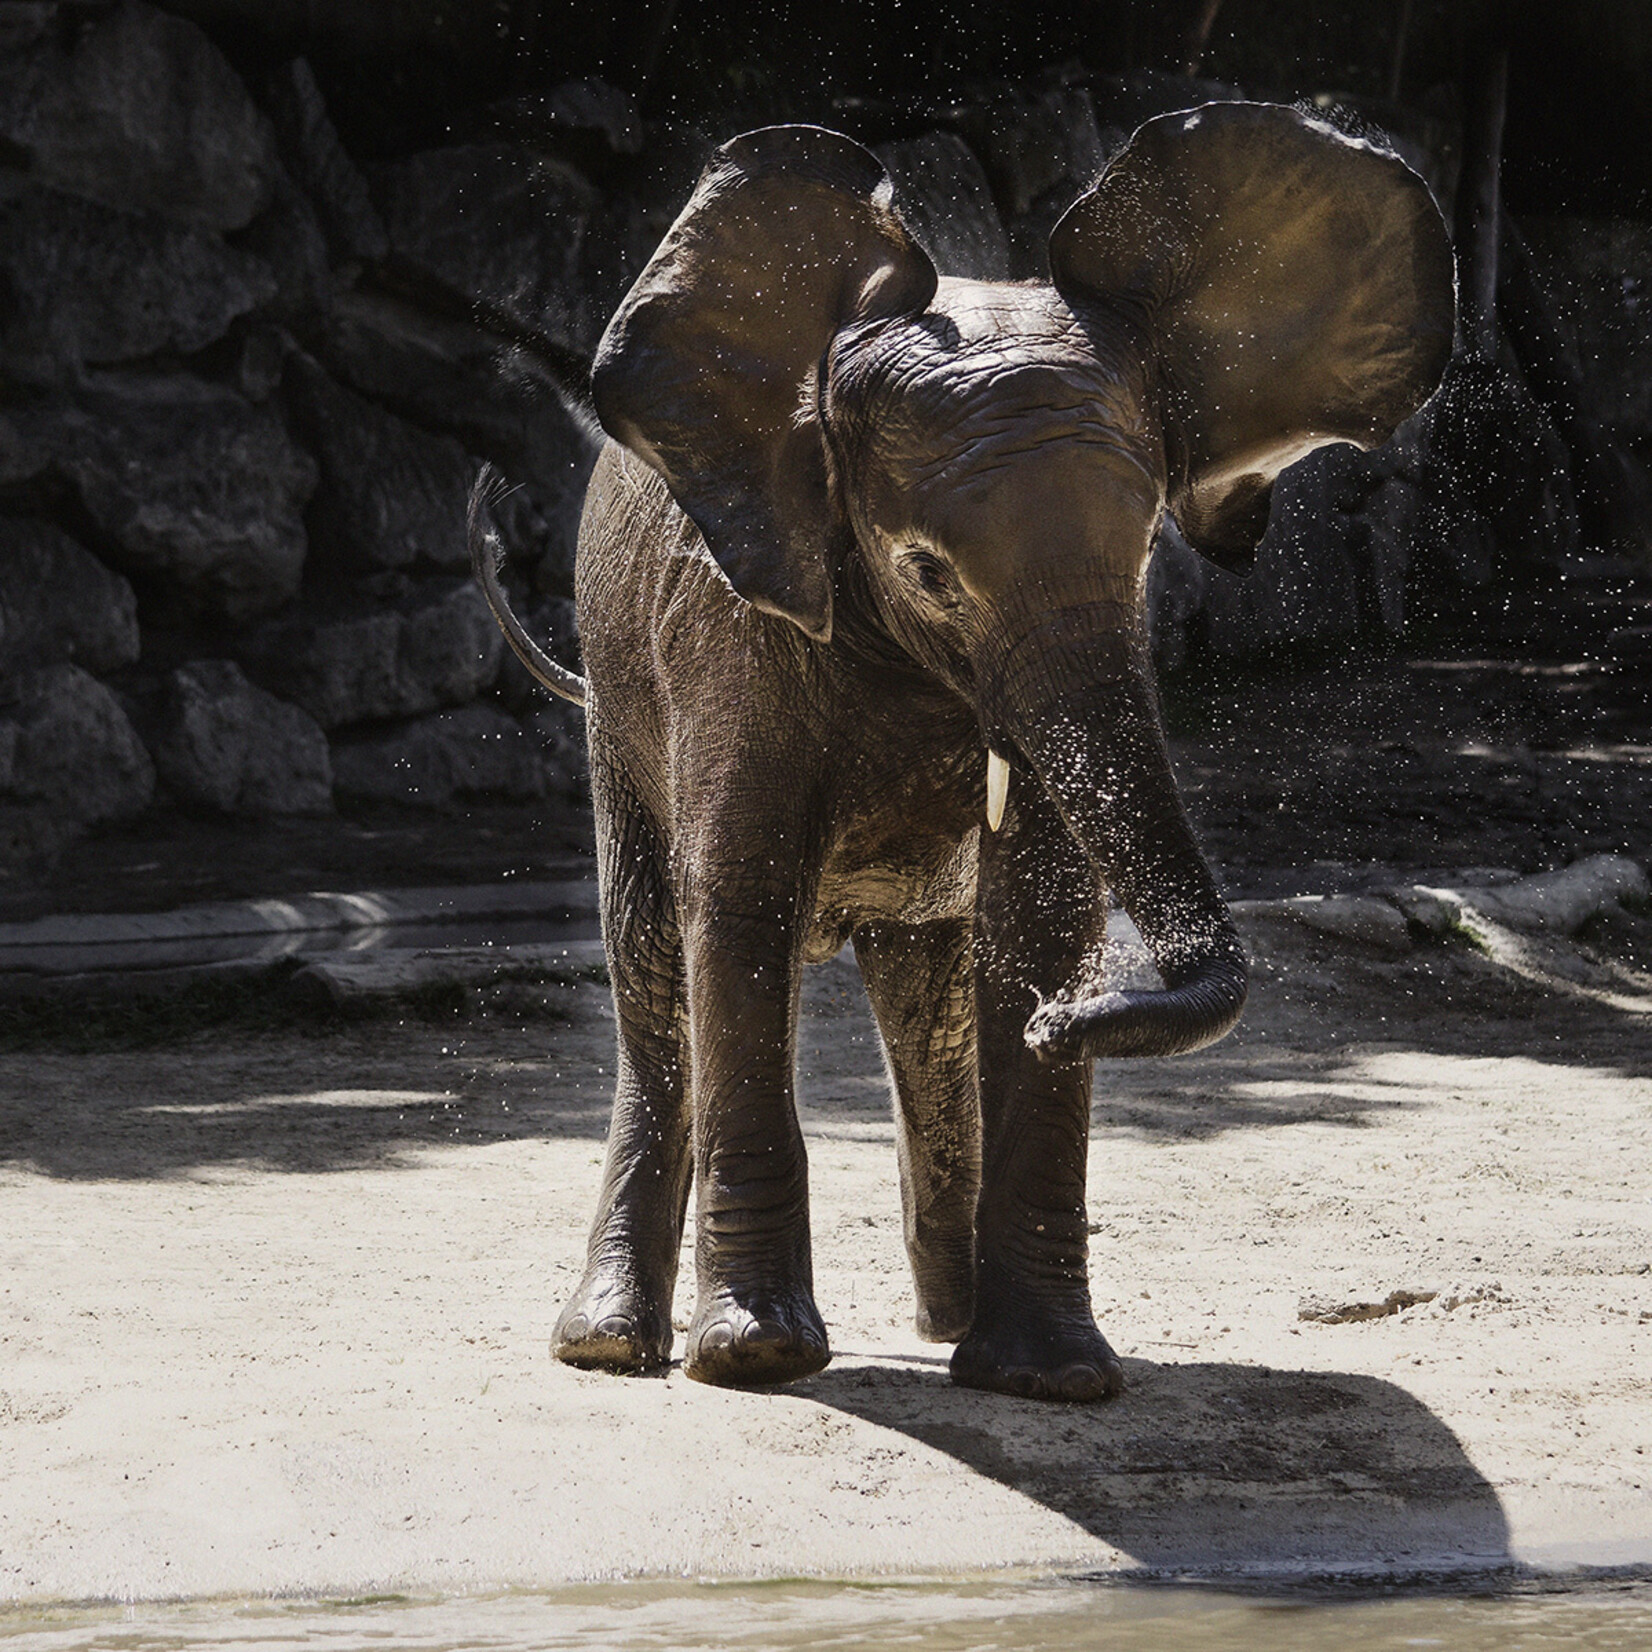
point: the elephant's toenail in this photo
(575, 1329)
(715, 1338)
(617, 1327)
(1081, 1382)
(765, 1333)
(1024, 1383)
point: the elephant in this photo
(861, 584)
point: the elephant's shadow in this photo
(1213, 1467)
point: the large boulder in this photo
(287, 238)
(390, 495)
(191, 485)
(322, 166)
(1305, 591)
(439, 646)
(475, 750)
(1039, 150)
(502, 402)
(945, 199)
(559, 729)
(224, 744)
(59, 604)
(1177, 581)
(87, 283)
(497, 226)
(139, 110)
(69, 757)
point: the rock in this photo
(476, 749)
(1368, 919)
(580, 107)
(558, 727)
(1176, 581)
(537, 535)
(1559, 902)
(59, 604)
(1034, 143)
(1039, 152)
(390, 495)
(260, 361)
(192, 486)
(69, 757)
(437, 648)
(1596, 274)
(322, 168)
(1496, 483)
(227, 745)
(86, 283)
(1436, 911)
(1305, 588)
(448, 375)
(23, 22)
(1391, 515)
(138, 110)
(552, 623)
(945, 199)
(286, 236)
(349, 980)
(22, 455)
(500, 227)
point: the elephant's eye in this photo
(932, 575)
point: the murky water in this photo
(1026, 1617)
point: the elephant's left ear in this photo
(1294, 285)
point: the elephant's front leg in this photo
(1037, 917)
(755, 1321)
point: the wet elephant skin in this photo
(858, 527)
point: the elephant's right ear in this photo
(708, 370)
(1292, 287)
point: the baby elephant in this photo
(861, 580)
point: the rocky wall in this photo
(246, 383)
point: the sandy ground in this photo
(274, 1311)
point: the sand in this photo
(275, 1311)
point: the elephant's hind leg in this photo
(619, 1319)
(921, 983)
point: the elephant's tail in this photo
(485, 554)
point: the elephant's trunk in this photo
(1073, 696)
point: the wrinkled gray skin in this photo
(858, 526)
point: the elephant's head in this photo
(984, 467)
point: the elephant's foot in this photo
(945, 1286)
(1061, 1359)
(611, 1325)
(768, 1339)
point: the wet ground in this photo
(1053, 1616)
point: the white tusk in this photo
(998, 788)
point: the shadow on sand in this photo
(1211, 1467)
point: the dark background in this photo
(1444, 657)
(402, 75)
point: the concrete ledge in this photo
(351, 980)
(302, 914)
